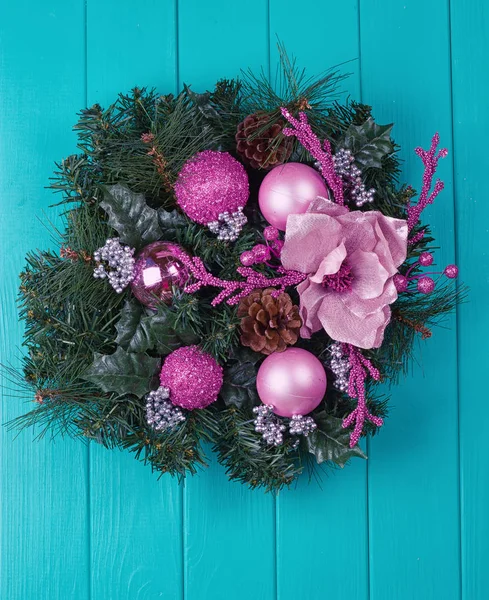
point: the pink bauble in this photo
(289, 190)
(211, 183)
(156, 272)
(193, 377)
(293, 382)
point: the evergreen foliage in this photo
(93, 355)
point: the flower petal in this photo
(362, 308)
(369, 276)
(308, 239)
(311, 296)
(330, 263)
(393, 234)
(344, 326)
(325, 206)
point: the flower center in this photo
(340, 281)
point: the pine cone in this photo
(268, 324)
(260, 143)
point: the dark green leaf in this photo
(243, 354)
(369, 143)
(138, 331)
(123, 372)
(239, 386)
(154, 333)
(170, 221)
(136, 223)
(128, 323)
(330, 442)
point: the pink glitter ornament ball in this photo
(210, 184)
(401, 282)
(425, 285)
(451, 271)
(193, 377)
(425, 259)
(289, 190)
(293, 382)
(156, 272)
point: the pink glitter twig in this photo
(233, 291)
(430, 160)
(359, 366)
(416, 238)
(302, 130)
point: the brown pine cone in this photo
(268, 324)
(260, 143)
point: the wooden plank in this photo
(229, 531)
(470, 92)
(136, 518)
(217, 39)
(413, 467)
(321, 527)
(44, 518)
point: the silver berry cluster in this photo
(345, 168)
(116, 263)
(340, 365)
(161, 414)
(301, 425)
(273, 427)
(228, 225)
(269, 425)
(343, 161)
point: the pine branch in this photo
(248, 460)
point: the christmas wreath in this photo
(238, 267)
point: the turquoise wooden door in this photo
(83, 523)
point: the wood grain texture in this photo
(413, 466)
(413, 523)
(470, 89)
(44, 521)
(305, 514)
(136, 519)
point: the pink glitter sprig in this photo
(360, 367)
(430, 160)
(233, 291)
(303, 132)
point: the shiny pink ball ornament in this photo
(156, 272)
(287, 190)
(293, 382)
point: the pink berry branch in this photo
(303, 132)
(430, 160)
(360, 367)
(233, 291)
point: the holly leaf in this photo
(239, 385)
(127, 325)
(369, 143)
(136, 223)
(330, 442)
(123, 372)
(139, 331)
(170, 221)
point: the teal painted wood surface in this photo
(83, 523)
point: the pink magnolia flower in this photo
(351, 258)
